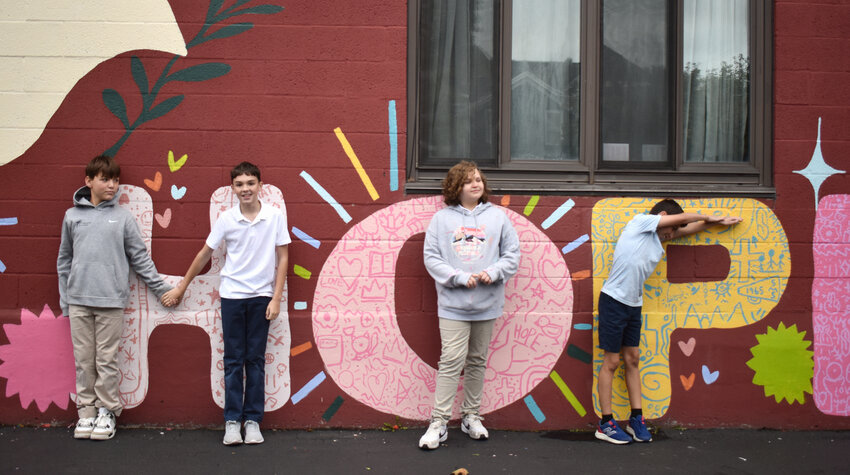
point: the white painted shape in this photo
(48, 45)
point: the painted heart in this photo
(156, 183)
(708, 376)
(688, 382)
(163, 219)
(177, 193)
(688, 348)
(174, 166)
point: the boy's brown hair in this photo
(456, 177)
(245, 168)
(103, 164)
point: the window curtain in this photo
(716, 81)
(545, 79)
(459, 79)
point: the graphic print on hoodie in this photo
(469, 244)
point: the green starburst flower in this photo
(783, 363)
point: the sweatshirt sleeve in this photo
(140, 260)
(509, 253)
(63, 263)
(443, 273)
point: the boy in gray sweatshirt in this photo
(100, 242)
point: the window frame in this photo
(588, 175)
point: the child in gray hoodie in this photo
(471, 250)
(100, 242)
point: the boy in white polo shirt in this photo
(256, 238)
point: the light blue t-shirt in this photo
(636, 254)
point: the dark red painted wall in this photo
(323, 64)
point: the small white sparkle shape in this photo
(817, 171)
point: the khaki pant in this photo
(464, 348)
(96, 334)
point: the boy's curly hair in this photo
(667, 205)
(456, 177)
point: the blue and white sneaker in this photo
(611, 432)
(637, 429)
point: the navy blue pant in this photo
(245, 333)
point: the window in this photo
(604, 96)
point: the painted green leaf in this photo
(141, 78)
(215, 6)
(115, 103)
(258, 10)
(200, 72)
(164, 107)
(229, 30)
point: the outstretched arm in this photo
(685, 224)
(173, 296)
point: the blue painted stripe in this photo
(326, 196)
(8, 221)
(535, 411)
(558, 213)
(583, 326)
(573, 245)
(309, 387)
(299, 305)
(393, 146)
(306, 237)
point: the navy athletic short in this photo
(619, 324)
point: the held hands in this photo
(171, 298)
(482, 277)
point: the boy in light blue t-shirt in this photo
(636, 254)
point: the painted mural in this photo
(315, 95)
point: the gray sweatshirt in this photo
(99, 245)
(459, 243)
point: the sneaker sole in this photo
(95, 436)
(82, 435)
(443, 438)
(602, 436)
(465, 430)
(635, 437)
(254, 441)
(232, 442)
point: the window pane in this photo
(458, 100)
(716, 81)
(635, 81)
(545, 79)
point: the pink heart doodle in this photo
(163, 219)
(688, 348)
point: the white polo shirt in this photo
(249, 268)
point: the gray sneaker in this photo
(84, 428)
(252, 433)
(232, 433)
(104, 425)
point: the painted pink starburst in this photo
(38, 362)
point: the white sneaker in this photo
(472, 425)
(252, 433)
(104, 425)
(435, 434)
(232, 433)
(84, 428)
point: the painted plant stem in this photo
(200, 72)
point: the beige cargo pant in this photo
(96, 335)
(465, 346)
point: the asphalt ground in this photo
(54, 450)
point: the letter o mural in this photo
(359, 340)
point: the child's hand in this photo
(484, 277)
(472, 282)
(723, 220)
(171, 298)
(273, 310)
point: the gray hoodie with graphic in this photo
(459, 243)
(99, 245)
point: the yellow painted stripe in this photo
(567, 393)
(531, 204)
(301, 272)
(356, 162)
